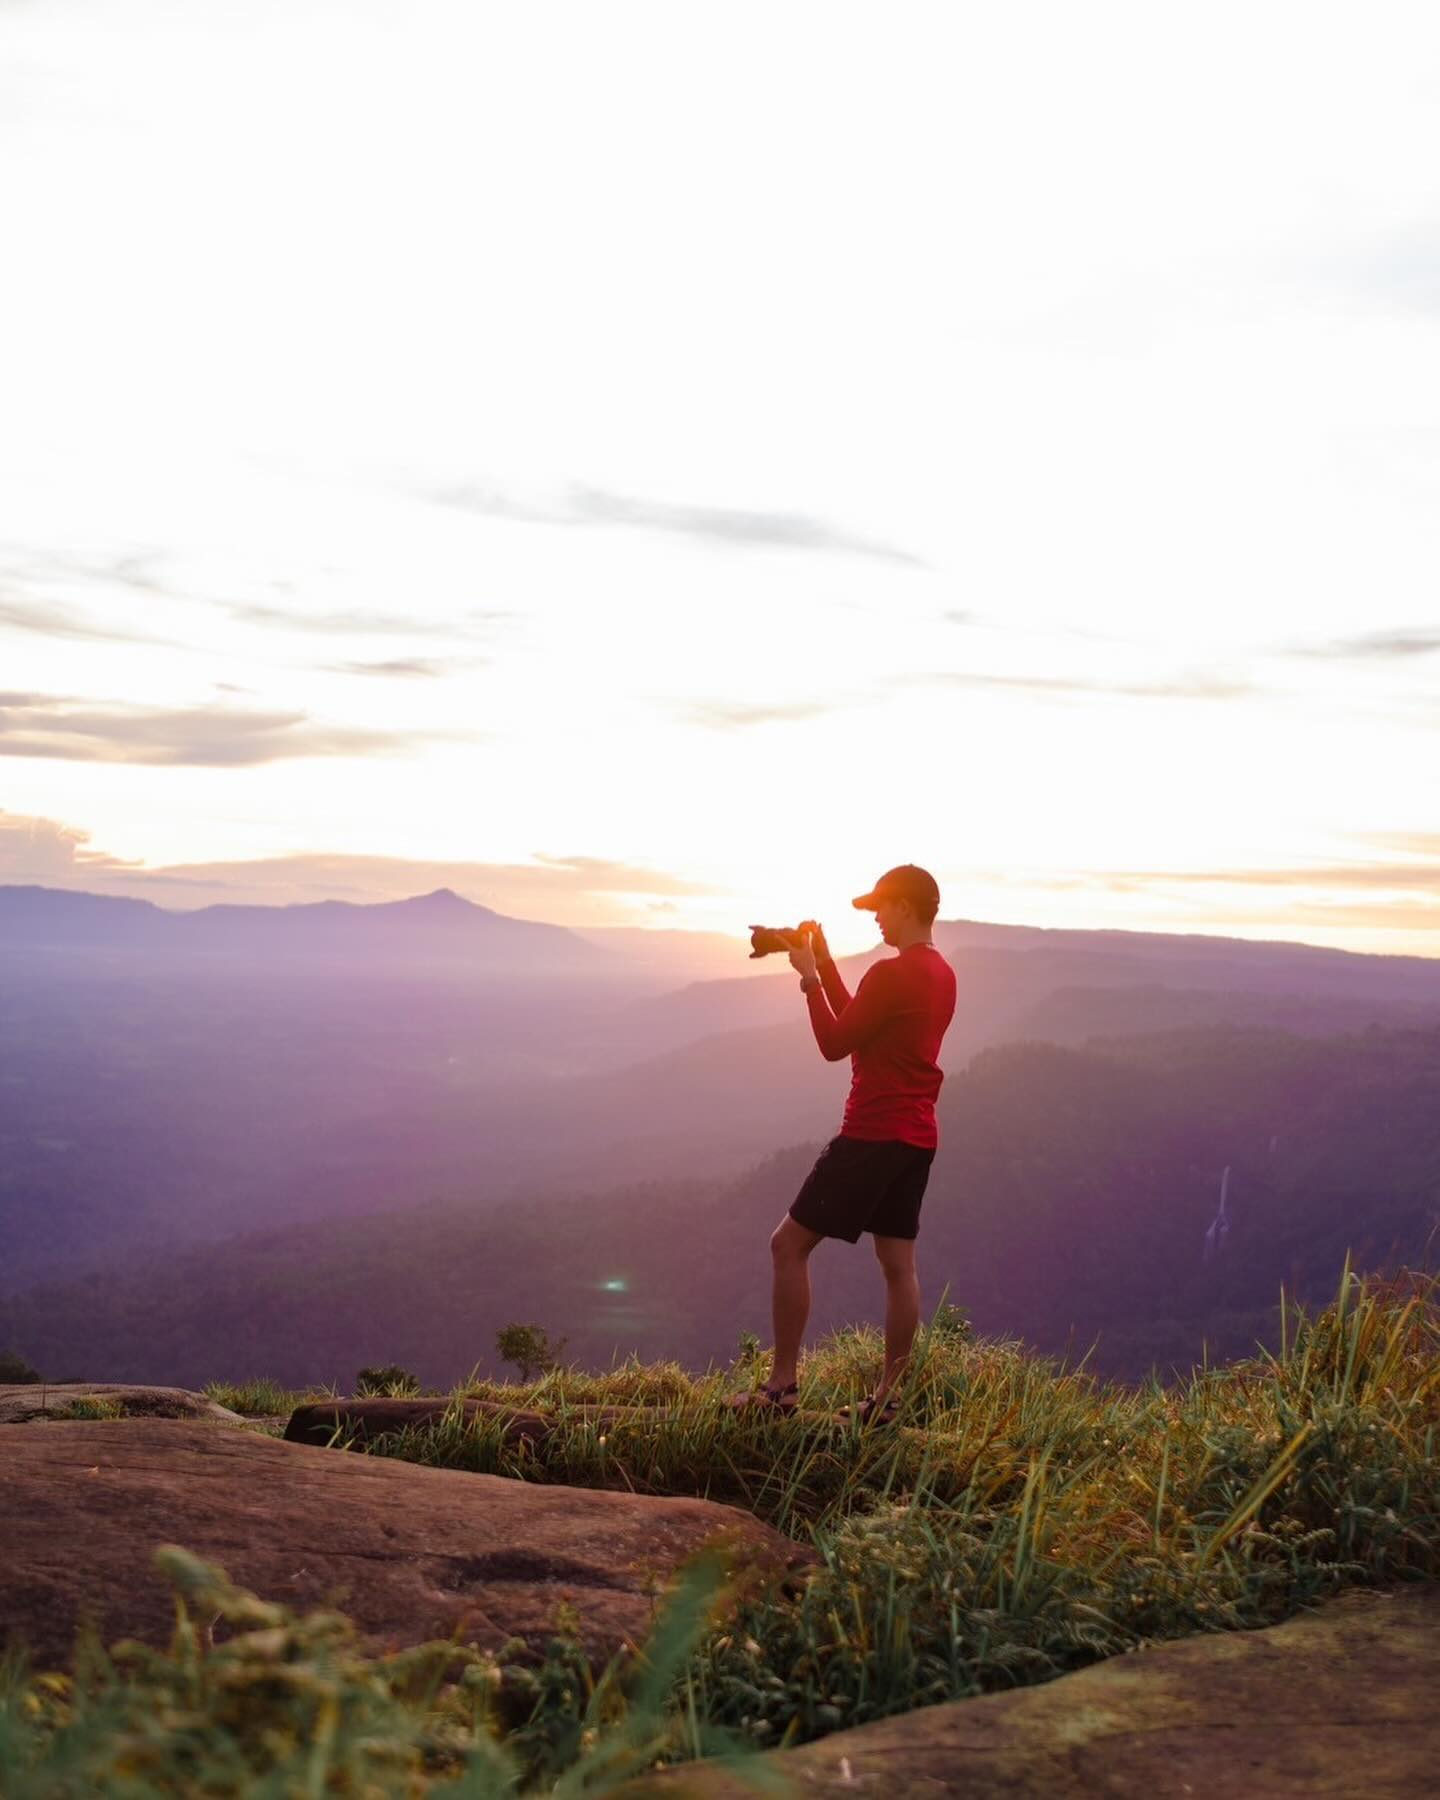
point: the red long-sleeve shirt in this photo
(891, 1031)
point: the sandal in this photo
(870, 1408)
(768, 1399)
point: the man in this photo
(871, 1177)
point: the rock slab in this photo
(24, 1403)
(408, 1552)
(1338, 1702)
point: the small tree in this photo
(14, 1368)
(529, 1348)
(388, 1379)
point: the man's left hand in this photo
(803, 959)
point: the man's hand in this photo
(817, 941)
(803, 959)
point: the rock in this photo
(1340, 1701)
(22, 1404)
(409, 1552)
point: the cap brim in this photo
(866, 902)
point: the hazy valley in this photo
(300, 1142)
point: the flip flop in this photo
(870, 1409)
(767, 1399)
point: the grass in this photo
(262, 1397)
(89, 1406)
(1019, 1520)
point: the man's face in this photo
(890, 915)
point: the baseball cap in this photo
(905, 883)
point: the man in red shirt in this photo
(871, 1177)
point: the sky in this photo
(665, 465)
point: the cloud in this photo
(562, 890)
(712, 524)
(724, 714)
(31, 569)
(599, 875)
(1416, 877)
(427, 665)
(1397, 643)
(1400, 272)
(51, 620)
(1178, 687)
(42, 850)
(1394, 876)
(40, 725)
(1414, 843)
(359, 624)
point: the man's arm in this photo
(836, 991)
(858, 1022)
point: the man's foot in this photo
(768, 1399)
(871, 1410)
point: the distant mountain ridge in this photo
(438, 924)
(444, 925)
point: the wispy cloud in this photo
(562, 889)
(1182, 686)
(1399, 271)
(408, 666)
(723, 714)
(1394, 877)
(600, 875)
(1412, 843)
(1398, 642)
(39, 725)
(580, 505)
(361, 624)
(50, 619)
(43, 850)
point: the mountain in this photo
(437, 927)
(1069, 1205)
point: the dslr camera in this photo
(765, 939)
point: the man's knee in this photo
(791, 1241)
(896, 1257)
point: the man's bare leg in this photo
(790, 1248)
(902, 1306)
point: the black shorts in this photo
(859, 1185)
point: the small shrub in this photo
(388, 1379)
(14, 1368)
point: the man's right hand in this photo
(817, 941)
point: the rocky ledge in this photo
(25, 1402)
(409, 1552)
(1339, 1702)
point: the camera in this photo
(764, 939)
